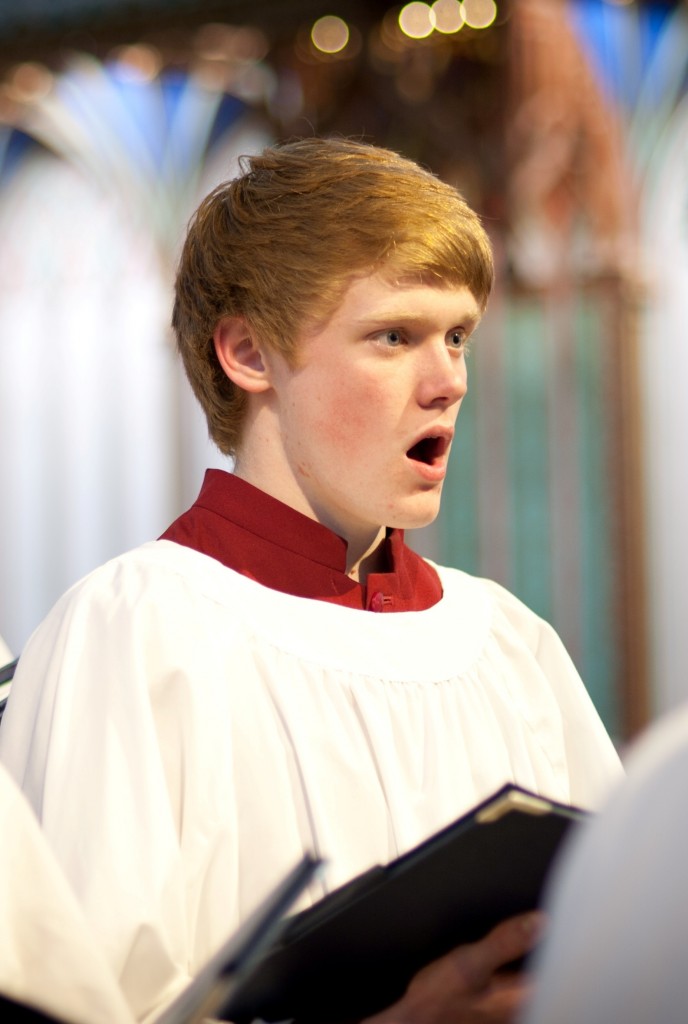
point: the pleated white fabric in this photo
(185, 733)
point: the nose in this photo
(443, 378)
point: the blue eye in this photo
(392, 338)
(456, 339)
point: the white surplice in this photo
(615, 951)
(49, 960)
(185, 733)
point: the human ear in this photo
(240, 355)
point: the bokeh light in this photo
(138, 62)
(330, 34)
(416, 20)
(447, 16)
(29, 82)
(479, 13)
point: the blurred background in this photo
(564, 122)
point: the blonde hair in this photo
(279, 244)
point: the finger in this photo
(463, 984)
(476, 962)
(504, 999)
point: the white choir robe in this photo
(49, 960)
(185, 734)
(616, 948)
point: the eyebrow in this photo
(392, 316)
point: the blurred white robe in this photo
(48, 958)
(185, 733)
(617, 948)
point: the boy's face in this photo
(365, 420)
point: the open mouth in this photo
(428, 450)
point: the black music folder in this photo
(354, 952)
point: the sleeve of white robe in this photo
(48, 958)
(592, 761)
(615, 952)
(125, 867)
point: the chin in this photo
(415, 518)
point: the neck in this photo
(260, 463)
(363, 559)
(365, 551)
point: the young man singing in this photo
(280, 672)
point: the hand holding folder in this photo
(407, 927)
(473, 982)
(354, 953)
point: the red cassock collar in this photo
(260, 537)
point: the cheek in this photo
(345, 428)
(349, 417)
